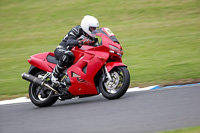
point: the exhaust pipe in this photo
(37, 81)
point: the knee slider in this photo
(64, 59)
(70, 56)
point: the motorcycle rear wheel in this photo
(119, 84)
(36, 92)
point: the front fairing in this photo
(111, 43)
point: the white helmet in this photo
(87, 22)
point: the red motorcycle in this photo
(96, 69)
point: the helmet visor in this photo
(91, 29)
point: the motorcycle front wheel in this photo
(41, 96)
(117, 86)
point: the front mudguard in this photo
(111, 65)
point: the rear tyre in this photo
(41, 96)
(119, 84)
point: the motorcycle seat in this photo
(52, 59)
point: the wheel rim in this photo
(113, 86)
(40, 93)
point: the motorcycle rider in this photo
(77, 36)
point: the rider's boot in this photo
(59, 86)
(54, 79)
(55, 75)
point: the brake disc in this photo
(112, 84)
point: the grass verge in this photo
(185, 130)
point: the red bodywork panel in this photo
(40, 61)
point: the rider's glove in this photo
(85, 42)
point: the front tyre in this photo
(41, 96)
(117, 87)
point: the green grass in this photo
(160, 38)
(185, 130)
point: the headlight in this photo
(115, 50)
(113, 47)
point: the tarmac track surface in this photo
(136, 112)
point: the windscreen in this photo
(108, 33)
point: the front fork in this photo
(107, 73)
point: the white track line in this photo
(141, 89)
(17, 100)
(25, 99)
